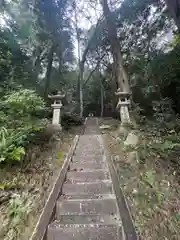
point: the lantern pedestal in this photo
(56, 106)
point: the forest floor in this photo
(150, 183)
(24, 190)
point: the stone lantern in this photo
(57, 105)
(123, 105)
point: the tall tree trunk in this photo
(120, 73)
(80, 81)
(80, 88)
(48, 71)
(81, 66)
(174, 9)
(102, 97)
(81, 99)
(37, 61)
(82, 61)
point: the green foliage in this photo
(8, 185)
(16, 209)
(176, 41)
(18, 123)
(60, 158)
(148, 178)
(59, 155)
(159, 142)
(23, 102)
(177, 217)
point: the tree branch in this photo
(90, 75)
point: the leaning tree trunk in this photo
(49, 70)
(119, 70)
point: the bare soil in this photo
(151, 188)
(24, 189)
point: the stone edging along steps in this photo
(86, 201)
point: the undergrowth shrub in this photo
(19, 123)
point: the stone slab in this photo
(83, 232)
(89, 219)
(88, 166)
(132, 139)
(88, 206)
(103, 187)
(87, 196)
(87, 158)
(87, 176)
(86, 152)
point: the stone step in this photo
(87, 140)
(93, 144)
(86, 206)
(90, 154)
(91, 131)
(89, 219)
(87, 166)
(87, 196)
(84, 153)
(57, 231)
(84, 146)
(84, 138)
(87, 176)
(87, 158)
(91, 188)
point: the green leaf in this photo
(148, 178)
(59, 155)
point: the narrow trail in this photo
(86, 207)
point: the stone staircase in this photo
(87, 207)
